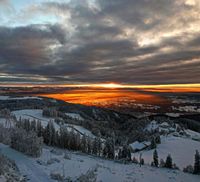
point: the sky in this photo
(139, 42)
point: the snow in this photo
(34, 114)
(18, 98)
(2, 178)
(6, 122)
(75, 116)
(3, 121)
(163, 127)
(80, 129)
(193, 134)
(4, 97)
(152, 126)
(173, 114)
(187, 108)
(25, 165)
(182, 150)
(139, 145)
(80, 164)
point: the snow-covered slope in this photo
(75, 116)
(18, 98)
(25, 165)
(80, 129)
(100, 169)
(182, 150)
(34, 114)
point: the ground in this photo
(181, 149)
(77, 164)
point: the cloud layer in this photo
(126, 41)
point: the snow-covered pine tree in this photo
(95, 146)
(72, 140)
(26, 142)
(125, 153)
(155, 158)
(153, 143)
(78, 141)
(33, 125)
(197, 163)
(99, 143)
(108, 150)
(157, 139)
(89, 145)
(39, 128)
(27, 125)
(84, 144)
(49, 133)
(168, 162)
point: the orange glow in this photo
(104, 96)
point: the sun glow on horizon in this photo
(189, 87)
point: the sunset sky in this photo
(130, 42)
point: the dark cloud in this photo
(128, 41)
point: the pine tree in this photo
(120, 154)
(49, 133)
(197, 163)
(72, 140)
(33, 125)
(125, 153)
(157, 139)
(108, 150)
(84, 144)
(155, 158)
(168, 162)
(153, 143)
(99, 143)
(95, 147)
(89, 147)
(39, 128)
(27, 125)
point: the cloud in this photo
(127, 41)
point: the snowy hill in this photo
(34, 114)
(181, 149)
(79, 166)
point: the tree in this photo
(27, 125)
(84, 144)
(95, 147)
(125, 153)
(162, 163)
(108, 150)
(72, 140)
(168, 162)
(33, 125)
(141, 160)
(26, 142)
(49, 133)
(155, 158)
(157, 139)
(135, 160)
(39, 128)
(197, 163)
(99, 143)
(153, 143)
(188, 169)
(89, 146)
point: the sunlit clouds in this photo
(119, 42)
